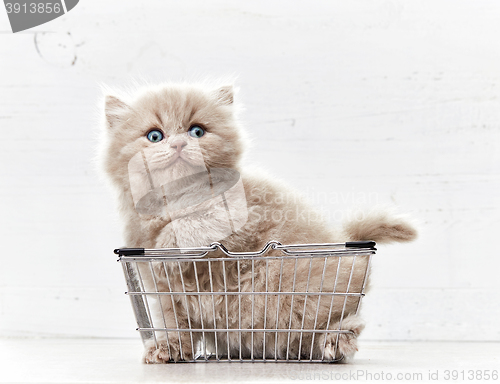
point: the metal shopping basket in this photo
(278, 304)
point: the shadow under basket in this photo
(285, 303)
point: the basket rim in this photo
(296, 250)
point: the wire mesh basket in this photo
(283, 303)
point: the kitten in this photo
(166, 150)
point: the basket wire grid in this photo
(290, 314)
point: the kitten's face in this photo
(179, 130)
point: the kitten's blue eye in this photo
(155, 136)
(196, 131)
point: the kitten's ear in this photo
(225, 95)
(115, 110)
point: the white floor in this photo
(118, 361)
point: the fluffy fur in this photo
(271, 212)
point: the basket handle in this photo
(294, 249)
(360, 244)
(129, 251)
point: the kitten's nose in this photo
(178, 144)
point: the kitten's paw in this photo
(344, 345)
(157, 354)
(347, 346)
(164, 352)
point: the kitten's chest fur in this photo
(194, 226)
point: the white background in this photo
(351, 102)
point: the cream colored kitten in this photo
(167, 149)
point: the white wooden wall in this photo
(352, 102)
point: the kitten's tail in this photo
(381, 226)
